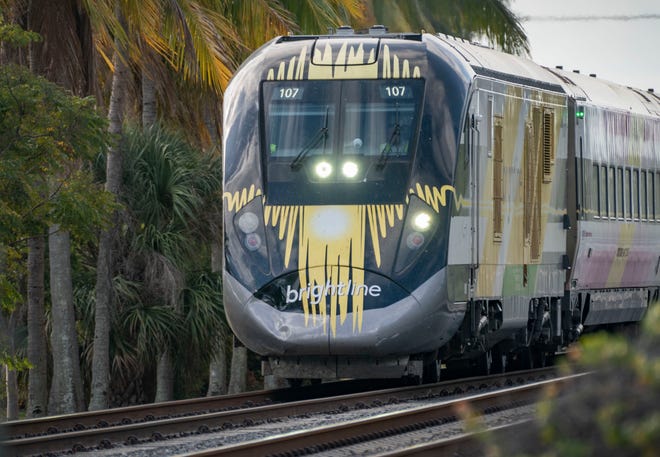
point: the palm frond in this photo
(203, 313)
(470, 19)
(151, 326)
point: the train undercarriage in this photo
(486, 343)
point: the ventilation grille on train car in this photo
(548, 144)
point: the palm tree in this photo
(188, 35)
(66, 394)
(169, 186)
(195, 39)
(105, 261)
(470, 19)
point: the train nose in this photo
(374, 315)
(307, 312)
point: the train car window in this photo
(629, 200)
(652, 201)
(346, 141)
(644, 213)
(620, 196)
(300, 119)
(379, 119)
(605, 191)
(635, 194)
(597, 193)
(656, 196)
(649, 195)
(612, 193)
(378, 128)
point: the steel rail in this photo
(133, 432)
(352, 432)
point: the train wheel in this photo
(522, 359)
(500, 360)
(484, 364)
(543, 358)
(527, 359)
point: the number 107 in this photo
(395, 91)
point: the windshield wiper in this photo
(322, 134)
(395, 137)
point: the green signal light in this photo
(579, 113)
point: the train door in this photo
(575, 190)
(478, 139)
(472, 138)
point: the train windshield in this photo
(340, 141)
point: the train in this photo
(400, 204)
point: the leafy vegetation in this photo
(167, 295)
(613, 412)
(45, 133)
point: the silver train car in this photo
(394, 203)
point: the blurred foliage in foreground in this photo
(615, 412)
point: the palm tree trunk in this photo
(149, 107)
(165, 367)
(7, 327)
(12, 393)
(3, 398)
(164, 378)
(238, 380)
(36, 321)
(100, 388)
(218, 372)
(66, 389)
(211, 123)
(218, 365)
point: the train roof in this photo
(488, 62)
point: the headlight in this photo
(422, 221)
(420, 228)
(248, 222)
(323, 169)
(350, 169)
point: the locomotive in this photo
(395, 203)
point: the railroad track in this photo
(155, 422)
(331, 438)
